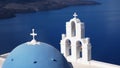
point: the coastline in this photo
(9, 10)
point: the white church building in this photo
(75, 47)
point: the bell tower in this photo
(74, 45)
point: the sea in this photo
(102, 25)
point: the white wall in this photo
(103, 64)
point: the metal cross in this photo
(75, 15)
(33, 34)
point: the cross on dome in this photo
(33, 41)
(33, 34)
(75, 15)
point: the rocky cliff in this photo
(8, 8)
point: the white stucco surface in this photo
(94, 64)
(2, 58)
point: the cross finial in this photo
(33, 41)
(75, 15)
(33, 34)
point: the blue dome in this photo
(35, 56)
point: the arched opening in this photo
(68, 47)
(79, 49)
(73, 29)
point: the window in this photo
(68, 47)
(79, 49)
(73, 29)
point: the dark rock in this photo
(5, 13)
(8, 8)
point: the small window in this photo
(53, 59)
(35, 62)
(12, 59)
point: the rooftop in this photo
(93, 63)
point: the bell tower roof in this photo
(75, 19)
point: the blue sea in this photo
(102, 25)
